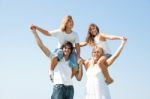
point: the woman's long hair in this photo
(64, 22)
(90, 37)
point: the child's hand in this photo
(124, 40)
(103, 59)
(33, 27)
(80, 61)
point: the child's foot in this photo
(109, 81)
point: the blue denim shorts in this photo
(61, 91)
(72, 59)
(108, 55)
(57, 53)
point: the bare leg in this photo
(54, 62)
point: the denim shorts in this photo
(61, 91)
(72, 59)
(108, 55)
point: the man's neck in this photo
(66, 58)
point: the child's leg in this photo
(53, 63)
(73, 60)
(104, 68)
(55, 57)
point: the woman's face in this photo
(96, 54)
(66, 50)
(93, 30)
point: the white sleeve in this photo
(55, 33)
(76, 38)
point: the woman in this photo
(62, 74)
(95, 38)
(96, 85)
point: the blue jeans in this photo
(72, 59)
(61, 91)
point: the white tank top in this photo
(102, 44)
(94, 75)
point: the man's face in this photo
(66, 50)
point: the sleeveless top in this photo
(96, 88)
(102, 44)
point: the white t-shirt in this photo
(63, 37)
(63, 73)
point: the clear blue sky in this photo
(24, 68)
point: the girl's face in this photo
(69, 24)
(96, 54)
(66, 51)
(93, 30)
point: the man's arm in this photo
(40, 44)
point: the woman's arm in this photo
(110, 60)
(43, 31)
(40, 44)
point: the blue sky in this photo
(24, 68)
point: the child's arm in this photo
(43, 31)
(77, 46)
(110, 60)
(40, 44)
(111, 37)
(82, 44)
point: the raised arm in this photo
(43, 31)
(40, 44)
(110, 60)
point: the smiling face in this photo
(93, 29)
(97, 52)
(67, 49)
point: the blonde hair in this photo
(64, 22)
(98, 49)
